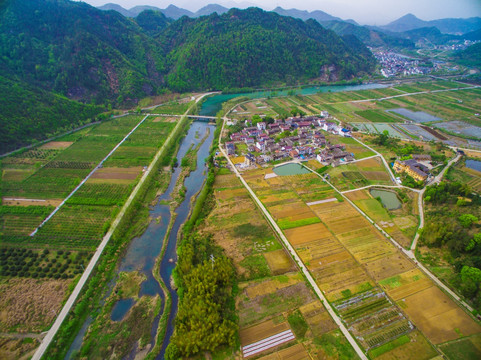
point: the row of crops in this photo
(372, 318)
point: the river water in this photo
(143, 250)
(213, 104)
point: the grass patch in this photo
(392, 282)
(298, 324)
(389, 346)
(376, 116)
(463, 349)
(335, 345)
(285, 223)
(256, 266)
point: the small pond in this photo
(290, 169)
(389, 199)
(121, 308)
(417, 116)
(474, 164)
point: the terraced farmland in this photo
(357, 267)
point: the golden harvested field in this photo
(439, 317)
(272, 285)
(308, 233)
(388, 266)
(225, 195)
(417, 344)
(261, 331)
(226, 181)
(403, 285)
(330, 211)
(358, 195)
(56, 145)
(279, 261)
(376, 175)
(319, 248)
(370, 163)
(29, 305)
(284, 210)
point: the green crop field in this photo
(47, 175)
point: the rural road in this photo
(294, 255)
(78, 288)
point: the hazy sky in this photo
(375, 12)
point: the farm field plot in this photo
(372, 318)
(399, 224)
(468, 348)
(351, 260)
(352, 146)
(361, 173)
(404, 347)
(378, 116)
(65, 163)
(140, 147)
(441, 320)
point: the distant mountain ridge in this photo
(446, 26)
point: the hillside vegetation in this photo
(30, 114)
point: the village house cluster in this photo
(393, 64)
(293, 138)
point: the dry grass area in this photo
(318, 319)
(17, 349)
(438, 316)
(389, 266)
(308, 233)
(272, 285)
(29, 305)
(29, 202)
(279, 261)
(56, 145)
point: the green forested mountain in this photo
(470, 57)
(77, 50)
(367, 35)
(55, 50)
(252, 47)
(152, 22)
(28, 113)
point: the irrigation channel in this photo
(143, 250)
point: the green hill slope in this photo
(29, 114)
(252, 48)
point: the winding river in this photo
(213, 104)
(143, 250)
